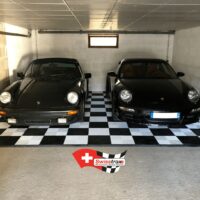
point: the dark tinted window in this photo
(146, 69)
(54, 69)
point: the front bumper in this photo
(143, 116)
(32, 117)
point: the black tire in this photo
(113, 105)
(83, 110)
(114, 116)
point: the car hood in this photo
(35, 93)
(156, 93)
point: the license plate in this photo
(62, 120)
(155, 115)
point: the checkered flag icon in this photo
(111, 169)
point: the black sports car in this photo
(149, 91)
(51, 91)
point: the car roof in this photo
(142, 59)
(41, 60)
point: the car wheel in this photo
(113, 105)
(114, 116)
(82, 111)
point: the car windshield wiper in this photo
(54, 75)
(62, 76)
(147, 78)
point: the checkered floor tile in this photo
(99, 128)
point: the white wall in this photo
(100, 61)
(186, 56)
(19, 50)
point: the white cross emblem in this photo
(87, 158)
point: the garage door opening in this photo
(4, 75)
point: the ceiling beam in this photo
(44, 31)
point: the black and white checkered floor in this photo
(99, 128)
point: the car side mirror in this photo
(180, 74)
(20, 75)
(88, 75)
(112, 74)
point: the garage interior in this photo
(163, 29)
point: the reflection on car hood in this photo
(152, 92)
(35, 93)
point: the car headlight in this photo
(125, 96)
(193, 96)
(72, 97)
(5, 97)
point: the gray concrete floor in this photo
(151, 173)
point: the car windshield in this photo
(147, 70)
(54, 69)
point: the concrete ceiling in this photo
(128, 15)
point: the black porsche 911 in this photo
(149, 91)
(51, 91)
